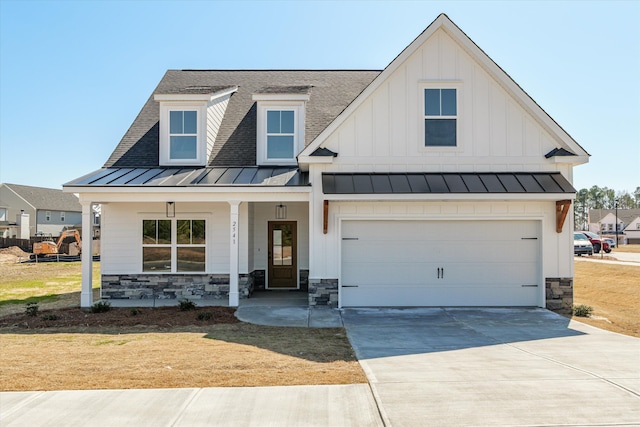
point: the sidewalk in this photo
(330, 405)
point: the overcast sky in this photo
(74, 74)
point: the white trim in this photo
(25, 200)
(443, 84)
(451, 197)
(86, 294)
(201, 139)
(280, 97)
(207, 97)
(298, 107)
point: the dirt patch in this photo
(161, 317)
(12, 255)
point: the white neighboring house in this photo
(435, 182)
(602, 221)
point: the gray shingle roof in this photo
(625, 215)
(330, 93)
(47, 198)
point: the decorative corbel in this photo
(325, 223)
(562, 209)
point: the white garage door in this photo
(440, 263)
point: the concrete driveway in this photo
(486, 367)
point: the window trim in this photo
(298, 108)
(63, 216)
(174, 245)
(47, 216)
(440, 84)
(165, 136)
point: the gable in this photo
(500, 127)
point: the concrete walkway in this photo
(338, 405)
(495, 367)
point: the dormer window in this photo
(183, 135)
(186, 138)
(280, 124)
(281, 134)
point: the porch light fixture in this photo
(171, 209)
(281, 211)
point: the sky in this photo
(74, 74)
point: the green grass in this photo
(42, 283)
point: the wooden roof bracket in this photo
(562, 209)
(325, 223)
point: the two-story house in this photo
(626, 221)
(435, 182)
(49, 211)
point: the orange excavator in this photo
(49, 247)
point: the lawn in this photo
(628, 248)
(156, 348)
(613, 291)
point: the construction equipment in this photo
(49, 247)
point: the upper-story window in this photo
(3, 214)
(183, 135)
(440, 117)
(62, 216)
(281, 134)
(280, 125)
(189, 122)
(47, 216)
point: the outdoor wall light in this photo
(171, 209)
(281, 211)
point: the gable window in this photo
(47, 216)
(280, 134)
(62, 216)
(3, 214)
(183, 135)
(170, 245)
(440, 117)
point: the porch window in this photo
(173, 245)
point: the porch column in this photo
(86, 296)
(234, 243)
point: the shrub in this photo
(186, 305)
(50, 316)
(135, 311)
(32, 309)
(101, 307)
(204, 315)
(582, 310)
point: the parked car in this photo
(581, 245)
(611, 242)
(596, 242)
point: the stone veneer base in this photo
(323, 292)
(172, 286)
(559, 294)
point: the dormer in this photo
(189, 123)
(280, 124)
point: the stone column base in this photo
(323, 292)
(559, 294)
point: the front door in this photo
(283, 251)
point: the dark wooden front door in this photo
(283, 262)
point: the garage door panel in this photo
(440, 263)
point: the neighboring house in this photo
(603, 221)
(50, 211)
(435, 182)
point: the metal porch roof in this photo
(193, 177)
(444, 183)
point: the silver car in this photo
(581, 245)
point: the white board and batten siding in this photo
(440, 263)
(495, 133)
